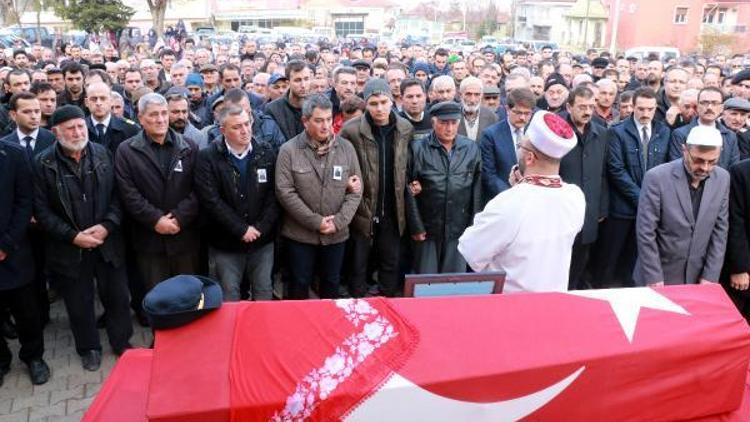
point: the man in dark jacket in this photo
(636, 145)
(287, 110)
(26, 114)
(710, 107)
(155, 177)
(229, 76)
(585, 166)
(16, 81)
(675, 81)
(103, 127)
(16, 263)
(447, 167)
(264, 129)
(734, 117)
(736, 281)
(234, 181)
(381, 139)
(77, 206)
(73, 93)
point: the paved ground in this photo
(71, 389)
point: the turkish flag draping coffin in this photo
(123, 397)
(634, 354)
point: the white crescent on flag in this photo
(401, 400)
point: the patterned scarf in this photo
(543, 181)
(321, 148)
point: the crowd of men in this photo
(283, 170)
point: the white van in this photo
(664, 53)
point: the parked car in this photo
(9, 40)
(32, 33)
(663, 53)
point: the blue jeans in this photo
(302, 262)
(231, 267)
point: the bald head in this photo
(99, 100)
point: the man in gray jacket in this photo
(683, 212)
(312, 175)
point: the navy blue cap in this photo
(180, 300)
(275, 78)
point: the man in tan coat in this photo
(312, 175)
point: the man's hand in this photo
(671, 114)
(98, 231)
(415, 187)
(740, 281)
(3, 255)
(515, 175)
(166, 225)
(704, 281)
(252, 234)
(175, 222)
(354, 185)
(327, 226)
(419, 237)
(86, 241)
(657, 284)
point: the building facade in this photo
(690, 25)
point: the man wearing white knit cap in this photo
(528, 230)
(683, 211)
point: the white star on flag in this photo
(627, 303)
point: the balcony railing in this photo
(723, 28)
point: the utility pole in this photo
(586, 31)
(615, 27)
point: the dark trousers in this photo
(78, 294)
(385, 244)
(23, 306)
(615, 254)
(579, 259)
(155, 268)
(305, 260)
(40, 276)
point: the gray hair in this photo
(315, 101)
(116, 96)
(604, 82)
(442, 81)
(152, 98)
(178, 66)
(230, 111)
(471, 80)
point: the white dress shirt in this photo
(34, 133)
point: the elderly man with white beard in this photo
(474, 118)
(77, 207)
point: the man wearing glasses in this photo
(710, 107)
(683, 213)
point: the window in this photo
(680, 15)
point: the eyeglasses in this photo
(701, 161)
(521, 113)
(705, 103)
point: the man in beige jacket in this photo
(312, 175)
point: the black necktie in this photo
(29, 148)
(100, 132)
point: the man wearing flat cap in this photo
(683, 210)
(527, 231)
(447, 167)
(741, 84)
(734, 117)
(76, 204)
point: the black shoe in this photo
(91, 360)
(101, 322)
(8, 329)
(38, 371)
(122, 350)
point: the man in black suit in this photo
(25, 111)
(105, 128)
(16, 263)
(27, 114)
